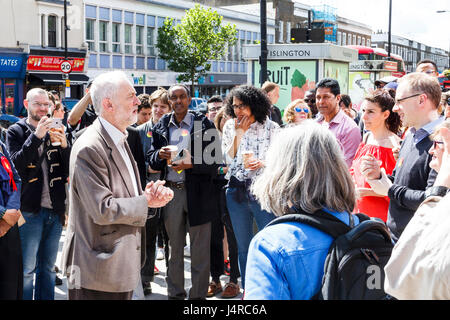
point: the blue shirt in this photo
(426, 130)
(285, 261)
(180, 135)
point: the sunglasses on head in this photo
(305, 110)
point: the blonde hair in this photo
(289, 112)
(419, 82)
(312, 173)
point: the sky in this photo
(413, 19)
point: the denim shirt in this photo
(286, 261)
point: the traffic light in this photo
(304, 35)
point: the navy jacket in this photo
(23, 146)
(199, 180)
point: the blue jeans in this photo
(40, 240)
(242, 215)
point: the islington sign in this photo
(46, 63)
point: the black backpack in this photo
(354, 267)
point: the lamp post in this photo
(444, 11)
(263, 57)
(390, 30)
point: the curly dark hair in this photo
(385, 98)
(250, 96)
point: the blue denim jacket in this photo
(285, 261)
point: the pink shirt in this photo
(346, 132)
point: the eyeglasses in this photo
(309, 100)
(240, 107)
(305, 110)
(38, 104)
(397, 101)
(214, 109)
(436, 143)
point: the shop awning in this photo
(75, 78)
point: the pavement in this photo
(159, 286)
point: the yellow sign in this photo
(67, 83)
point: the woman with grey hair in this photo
(286, 260)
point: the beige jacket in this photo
(103, 239)
(419, 268)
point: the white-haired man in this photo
(102, 252)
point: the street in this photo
(159, 287)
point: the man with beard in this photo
(40, 153)
(102, 254)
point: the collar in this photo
(116, 135)
(429, 127)
(187, 119)
(338, 118)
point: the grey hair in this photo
(305, 167)
(35, 92)
(105, 86)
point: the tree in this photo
(188, 46)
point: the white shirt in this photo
(119, 139)
(256, 139)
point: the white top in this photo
(256, 139)
(119, 139)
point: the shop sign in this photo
(10, 64)
(45, 63)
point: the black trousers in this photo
(151, 230)
(11, 267)
(217, 234)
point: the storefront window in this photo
(9, 95)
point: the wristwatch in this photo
(437, 191)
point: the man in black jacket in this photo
(191, 179)
(41, 156)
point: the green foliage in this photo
(188, 46)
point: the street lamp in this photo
(444, 11)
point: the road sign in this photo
(66, 67)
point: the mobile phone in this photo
(56, 123)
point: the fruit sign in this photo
(293, 77)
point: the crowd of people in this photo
(131, 177)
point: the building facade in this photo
(122, 35)
(412, 51)
(33, 36)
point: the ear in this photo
(386, 114)
(107, 105)
(25, 104)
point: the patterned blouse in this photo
(256, 139)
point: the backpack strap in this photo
(320, 220)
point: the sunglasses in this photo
(310, 100)
(436, 143)
(305, 110)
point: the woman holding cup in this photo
(246, 139)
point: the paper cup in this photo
(173, 153)
(247, 156)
